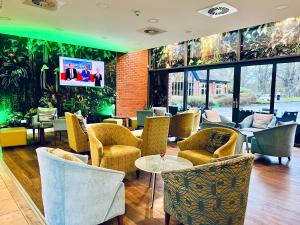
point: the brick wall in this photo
(132, 83)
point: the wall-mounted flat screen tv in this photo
(81, 72)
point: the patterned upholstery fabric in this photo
(194, 148)
(211, 194)
(181, 125)
(216, 140)
(114, 147)
(78, 139)
(155, 135)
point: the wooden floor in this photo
(274, 196)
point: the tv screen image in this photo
(81, 72)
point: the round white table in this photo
(154, 164)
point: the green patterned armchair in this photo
(213, 193)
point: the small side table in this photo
(154, 164)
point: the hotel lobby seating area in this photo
(149, 112)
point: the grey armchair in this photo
(224, 121)
(240, 139)
(246, 124)
(276, 141)
(76, 193)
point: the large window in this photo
(221, 90)
(255, 89)
(287, 95)
(176, 89)
(196, 89)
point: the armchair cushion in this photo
(217, 139)
(197, 157)
(213, 116)
(262, 120)
(82, 123)
(64, 155)
(45, 117)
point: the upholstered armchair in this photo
(43, 117)
(155, 135)
(247, 123)
(114, 147)
(214, 193)
(224, 120)
(142, 115)
(195, 148)
(181, 125)
(78, 139)
(276, 141)
(75, 193)
(241, 138)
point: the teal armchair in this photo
(276, 141)
(44, 117)
(142, 115)
(213, 193)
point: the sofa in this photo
(214, 193)
(75, 193)
(219, 119)
(276, 141)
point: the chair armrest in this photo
(129, 139)
(227, 149)
(194, 142)
(96, 147)
(247, 122)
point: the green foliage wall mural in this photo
(21, 61)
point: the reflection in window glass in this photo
(220, 91)
(196, 89)
(176, 88)
(287, 95)
(255, 90)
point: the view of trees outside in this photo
(176, 89)
(288, 88)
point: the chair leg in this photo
(137, 174)
(289, 158)
(55, 134)
(167, 218)
(60, 136)
(33, 134)
(279, 159)
(120, 220)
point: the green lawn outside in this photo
(286, 99)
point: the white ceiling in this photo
(117, 25)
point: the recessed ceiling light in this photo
(102, 5)
(280, 7)
(5, 18)
(153, 20)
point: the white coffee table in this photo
(154, 164)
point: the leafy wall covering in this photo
(264, 41)
(21, 61)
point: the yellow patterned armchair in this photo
(155, 135)
(78, 139)
(182, 125)
(214, 193)
(113, 147)
(195, 148)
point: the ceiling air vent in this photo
(51, 5)
(221, 9)
(151, 30)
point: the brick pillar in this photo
(132, 83)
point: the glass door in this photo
(255, 89)
(176, 90)
(221, 90)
